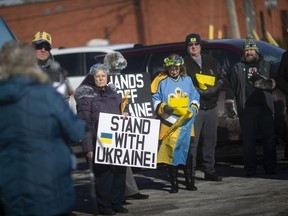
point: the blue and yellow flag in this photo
(106, 138)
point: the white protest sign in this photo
(127, 141)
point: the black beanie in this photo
(192, 38)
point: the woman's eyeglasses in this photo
(47, 47)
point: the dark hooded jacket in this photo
(56, 74)
(211, 67)
(90, 102)
(35, 161)
(238, 83)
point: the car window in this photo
(226, 58)
(71, 63)
(157, 60)
(91, 59)
(135, 64)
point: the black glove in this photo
(216, 88)
(204, 94)
(265, 84)
(168, 110)
(255, 77)
(211, 91)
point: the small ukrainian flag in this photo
(106, 138)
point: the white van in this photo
(78, 60)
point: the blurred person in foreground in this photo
(116, 63)
(36, 163)
(92, 98)
(208, 78)
(42, 43)
(252, 81)
(282, 83)
(176, 103)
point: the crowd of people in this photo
(37, 125)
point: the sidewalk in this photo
(235, 195)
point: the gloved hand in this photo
(229, 109)
(168, 110)
(216, 88)
(255, 77)
(211, 89)
(193, 110)
(265, 84)
(208, 93)
(204, 94)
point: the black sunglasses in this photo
(191, 44)
(40, 46)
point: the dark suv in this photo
(228, 51)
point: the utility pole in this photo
(233, 19)
(251, 26)
(139, 21)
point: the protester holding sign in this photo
(208, 78)
(176, 103)
(116, 63)
(93, 98)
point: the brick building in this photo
(75, 22)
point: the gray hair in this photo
(99, 67)
(19, 59)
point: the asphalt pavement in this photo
(236, 195)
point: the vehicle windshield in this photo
(5, 33)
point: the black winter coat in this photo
(210, 66)
(90, 102)
(238, 83)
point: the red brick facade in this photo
(74, 22)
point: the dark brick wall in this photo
(74, 22)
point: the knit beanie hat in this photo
(192, 38)
(250, 44)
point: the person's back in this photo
(36, 163)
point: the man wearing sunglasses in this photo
(42, 43)
(208, 79)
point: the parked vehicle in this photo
(78, 60)
(228, 52)
(5, 32)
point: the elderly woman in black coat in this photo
(92, 98)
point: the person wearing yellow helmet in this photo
(42, 43)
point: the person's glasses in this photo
(191, 44)
(47, 47)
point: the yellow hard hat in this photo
(41, 37)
